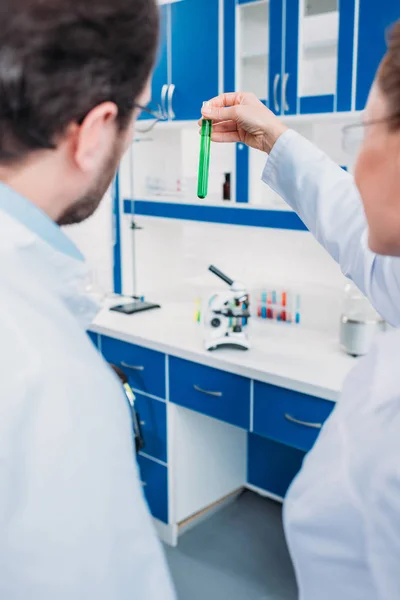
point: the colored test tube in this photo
(204, 161)
(264, 305)
(298, 308)
(284, 302)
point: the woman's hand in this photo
(241, 117)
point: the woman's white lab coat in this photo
(342, 513)
(73, 520)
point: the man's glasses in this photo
(155, 115)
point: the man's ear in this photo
(95, 137)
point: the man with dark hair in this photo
(73, 521)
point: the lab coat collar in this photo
(36, 220)
(44, 253)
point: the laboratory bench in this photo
(214, 423)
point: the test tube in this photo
(204, 162)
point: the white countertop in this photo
(281, 354)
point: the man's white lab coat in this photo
(342, 514)
(73, 520)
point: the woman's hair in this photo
(389, 76)
(61, 58)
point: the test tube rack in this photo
(282, 306)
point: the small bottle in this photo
(226, 194)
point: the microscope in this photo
(226, 316)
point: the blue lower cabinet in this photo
(272, 466)
(209, 391)
(289, 417)
(153, 420)
(154, 479)
(145, 368)
(94, 338)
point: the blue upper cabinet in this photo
(159, 88)
(319, 47)
(374, 20)
(194, 56)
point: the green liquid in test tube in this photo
(204, 163)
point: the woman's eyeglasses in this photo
(354, 135)
(155, 115)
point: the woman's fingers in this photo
(225, 138)
(227, 99)
(225, 126)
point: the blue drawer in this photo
(94, 338)
(144, 368)
(289, 417)
(155, 485)
(209, 391)
(153, 419)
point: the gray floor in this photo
(237, 554)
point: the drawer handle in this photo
(215, 394)
(132, 367)
(304, 423)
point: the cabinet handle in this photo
(164, 91)
(132, 367)
(284, 87)
(215, 394)
(171, 92)
(276, 81)
(143, 483)
(304, 423)
(143, 423)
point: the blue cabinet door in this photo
(345, 55)
(153, 421)
(290, 71)
(194, 56)
(275, 55)
(375, 19)
(272, 466)
(154, 478)
(160, 75)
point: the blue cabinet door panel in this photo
(155, 485)
(275, 55)
(271, 466)
(145, 368)
(375, 19)
(345, 54)
(153, 419)
(289, 98)
(160, 75)
(287, 416)
(229, 45)
(317, 104)
(194, 55)
(209, 391)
